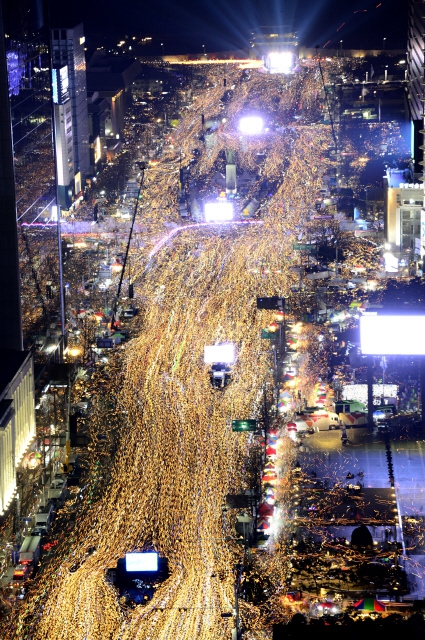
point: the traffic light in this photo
(131, 291)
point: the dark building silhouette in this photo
(28, 186)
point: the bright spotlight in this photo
(251, 125)
(218, 211)
(282, 62)
(219, 353)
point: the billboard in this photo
(393, 335)
(60, 85)
(141, 561)
(219, 353)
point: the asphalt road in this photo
(324, 454)
(328, 458)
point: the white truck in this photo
(323, 420)
(44, 517)
(320, 420)
(351, 413)
(29, 553)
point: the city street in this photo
(163, 455)
(324, 455)
(331, 460)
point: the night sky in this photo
(185, 25)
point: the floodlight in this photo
(218, 211)
(220, 353)
(281, 62)
(251, 125)
(141, 561)
(391, 262)
(392, 335)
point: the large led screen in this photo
(141, 561)
(219, 353)
(392, 335)
(221, 211)
(251, 125)
(280, 62)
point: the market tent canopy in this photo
(369, 604)
(265, 510)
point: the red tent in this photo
(263, 524)
(265, 510)
(270, 477)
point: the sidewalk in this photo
(8, 541)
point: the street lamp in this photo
(383, 44)
(340, 44)
(203, 47)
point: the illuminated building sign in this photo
(15, 71)
(244, 425)
(60, 85)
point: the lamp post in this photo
(162, 45)
(203, 47)
(383, 44)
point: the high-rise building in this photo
(416, 56)
(28, 228)
(69, 84)
(29, 186)
(415, 74)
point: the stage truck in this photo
(314, 419)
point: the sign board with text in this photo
(244, 425)
(303, 247)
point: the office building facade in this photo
(416, 57)
(27, 112)
(17, 418)
(69, 65)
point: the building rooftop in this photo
(11, 361)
